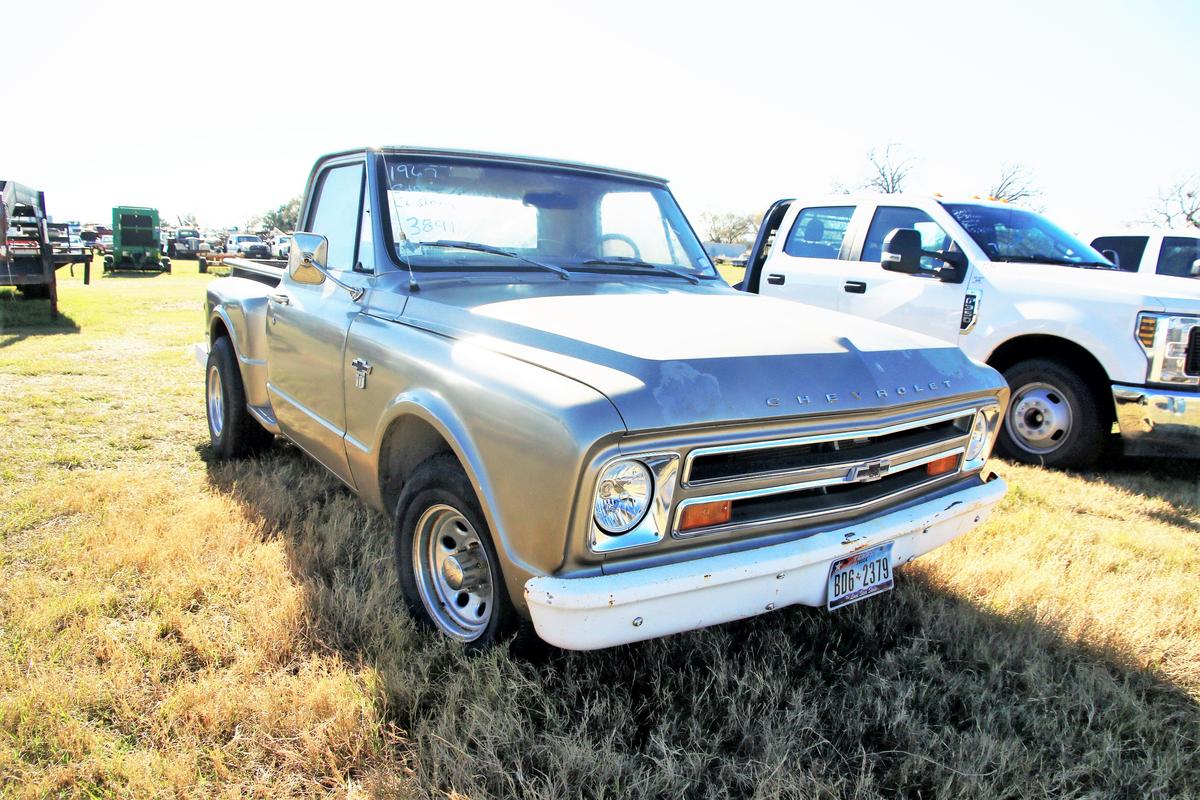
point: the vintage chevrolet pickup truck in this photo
(534, 369)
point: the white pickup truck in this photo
(1081, 343)
(1153, 251)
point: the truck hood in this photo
(674, 356)
(1140, 291)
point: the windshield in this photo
(1017, 234)
(247, 239)
(570, 220)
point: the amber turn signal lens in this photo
(1147, 327)
(702, 515)
(942, 465)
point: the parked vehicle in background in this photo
(1153, 251)
(533, 366)
(25, 246)
(105, 243)
(136, 241)
(1078, 351)
(187, 243)
(249, 245)
(282, 246)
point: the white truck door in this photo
(923, 302)
(804, 262)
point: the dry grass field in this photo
(174, 627)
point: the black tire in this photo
(1044, 385)
(441, 482)
(238, 434)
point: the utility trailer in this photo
(26, 257)
(136, 244)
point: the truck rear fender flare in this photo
(430, 409)
(1070, 353)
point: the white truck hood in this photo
(1141, 292)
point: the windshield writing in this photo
(1017, 234)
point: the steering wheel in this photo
(620, 237)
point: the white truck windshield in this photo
(1020, 235)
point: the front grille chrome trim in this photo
(817, 438)
(894, 468)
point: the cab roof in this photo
(507, 158)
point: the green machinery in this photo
(136, 243)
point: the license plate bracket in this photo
(859, 576)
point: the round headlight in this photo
(979, 435)
(622, 496)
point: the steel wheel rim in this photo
(1040, 418)
(216, 402)
(454, 574)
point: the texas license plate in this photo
(859, 576)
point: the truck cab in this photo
(1081, 343)
(1153, 251)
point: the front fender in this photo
(240, 306)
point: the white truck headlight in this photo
(623, 496)
(1166, 338)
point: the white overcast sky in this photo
(219, 109)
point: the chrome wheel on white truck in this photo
(1053, 417)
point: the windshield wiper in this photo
(1056, 261)
(496, 251)
(621, 261)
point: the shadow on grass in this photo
(1174, 480)
(915, 694)
(21, 318)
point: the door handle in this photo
(775, 280)
(855, 287)
(280, 298)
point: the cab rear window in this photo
(819, 232)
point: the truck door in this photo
(923, 302)
(307, 325)
(807, 267)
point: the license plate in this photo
(859, 576)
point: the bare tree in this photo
(1015, 185)
(1179, 205)
(729, 228)
(889, 169)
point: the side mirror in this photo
(902, 251)
(1196, 268)
(1112, 256)
(306, 261)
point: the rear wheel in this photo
(233, 431)
(1053, 418)
(448, 568)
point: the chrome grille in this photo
(822, 475)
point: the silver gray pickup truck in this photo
(576, 425)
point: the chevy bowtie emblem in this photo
(868, 471)
(362, 369)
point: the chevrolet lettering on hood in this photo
(830, 398)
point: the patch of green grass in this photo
(171, 626)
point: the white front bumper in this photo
(607, 610)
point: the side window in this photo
(1177, 256)
(1129, 249)
(366, 241)
(888, 218)
(339, 200)
(818, 232)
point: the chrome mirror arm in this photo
(355, 292)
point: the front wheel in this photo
(234, 433)
(448, 568)
(1053, 418)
